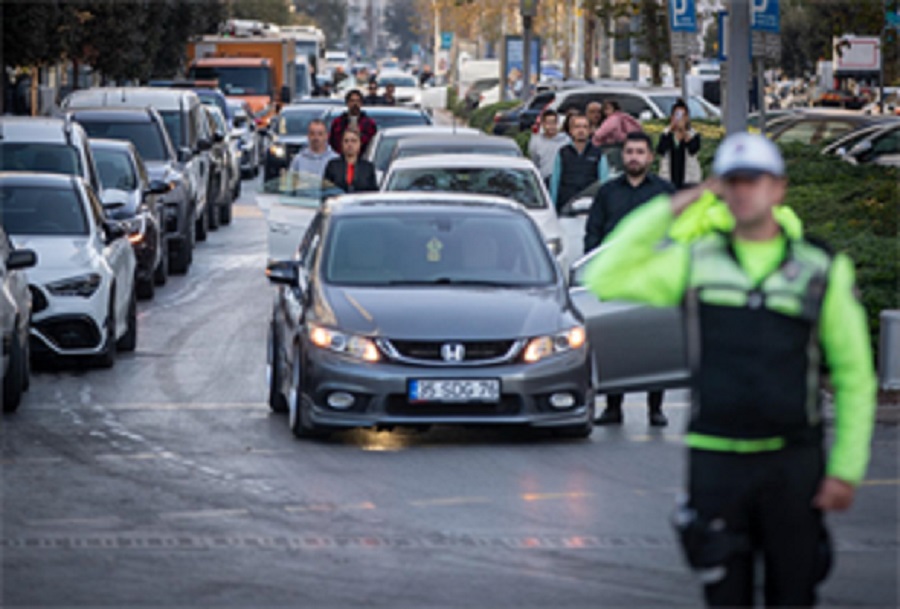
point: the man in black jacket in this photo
(615, 200)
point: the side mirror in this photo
(576, 207)
(646, 115)
(283, 272)
(185, 155)
(21, 259)
(203, 145)
(218, 137)
(113, 231)
(286, 94)
(158, 187)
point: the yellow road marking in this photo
(450, 501)
(552, 496)
(246, 211)
(893, 482)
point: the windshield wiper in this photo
(452, 281)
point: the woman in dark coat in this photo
(349, 172)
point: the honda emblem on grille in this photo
(453, 352)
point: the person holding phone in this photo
(678, 147)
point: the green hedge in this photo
(853, 208)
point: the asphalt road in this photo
(167, 482)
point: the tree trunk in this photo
(590, 24)
(35, 81)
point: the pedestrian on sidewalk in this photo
(765, 314)
(613, 201)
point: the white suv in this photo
(83, 298)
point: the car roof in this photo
(28, 178)
(383, 111)
(161, 98)
(33, 129)
(363, 204)
(115, 114)
(428, 130)
(461, 139)
(486, 161)
(107, 144)
(306, 108)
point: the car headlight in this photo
(556, 246)
(136, 227)
(349, 344)
(543, 347)
(277, 150)
(82, 285)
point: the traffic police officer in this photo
(766, 312)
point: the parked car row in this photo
(99, 205)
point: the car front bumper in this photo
(380, 393)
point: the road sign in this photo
(446, 41)
(683, 15)
(684, 44)
(892, 17)
(765, 16)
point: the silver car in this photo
(15, 319)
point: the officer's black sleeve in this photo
(594, 228)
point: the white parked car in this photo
(15, 319)
(510, 177)
(381, 149)
(83, 292)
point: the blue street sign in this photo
(446, 41)
(893, 18)
(683, 16)
(765, 16)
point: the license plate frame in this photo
(453, 391)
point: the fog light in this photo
(341, 400)
(562, 400)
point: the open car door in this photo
(635, 347)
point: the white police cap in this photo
(747, 153)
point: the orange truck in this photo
(254, 69)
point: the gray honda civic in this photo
(412, 309)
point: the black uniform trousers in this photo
(767, 499)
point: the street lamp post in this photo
(528, 9)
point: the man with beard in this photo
(615, 200)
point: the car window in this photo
(577, 101)
(384, 152)
(834, 130)
(435, 248)
(665, 103)
(386, 121)
(521, 185)
(410, 152)
(399, 81)
(41, 210)
(884, 144)
(296, 122)
(632, 104)
(145, 136)
(803, 132)
(172, 122)
(542, 99)
(45, 158)
(115, 168)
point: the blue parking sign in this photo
(683, 16)
(765, 16)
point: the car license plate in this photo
(484, 390)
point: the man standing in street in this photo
(594, 113)
(355, 117)
(372, 99)
(615, 200)
(389, 98)
(313, 159)
(578, 164)
(765, 314)
(544, 146)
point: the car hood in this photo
(58, 256)
(120, 204)
(445, 312)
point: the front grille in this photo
(71, 333)
(475, 351)
(38, 300)
(509, 405)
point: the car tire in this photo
(180, 257)
(128, 342)
(161, 273)
(201, 225)
(107, 357)
(237, 191)
(213, 212)
(145, 288)
(15, 380)
(299, 418)
(225, 214)
(276, 400)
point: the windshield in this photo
(236, 81)
(115, 169)
(386, 121)
(695, 108)
(145, 136)
(172, 122)
(521, 185)
(297, 122)
(440, 248)
(397, 81)
(302, 80)
(306, 48)
(41, 210)
(384, 152)
(210, 98)
(49, 158)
